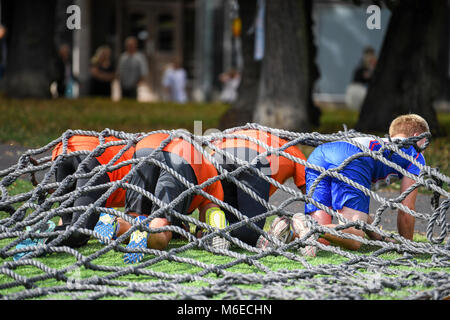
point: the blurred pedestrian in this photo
(357, 90)
(230, 84)
(102, 72)
(132, 68)
(3, 50)
(363, 72)
(64, 76)
(174, 81)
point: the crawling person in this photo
(349, 201)
(181, 156)
(69, 165)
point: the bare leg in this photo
(160, 240)
(349, 214)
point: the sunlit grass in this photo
(34, 123)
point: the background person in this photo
(3, 51)
(174, 81)
(102, 72)
(230, 84)
(64, 74)
(357, 90)
(132, 68)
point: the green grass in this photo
(113, 258)
(34, 123)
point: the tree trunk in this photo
(288, 70)
(241, 112)
(412, 70)
(31, 51)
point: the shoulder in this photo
(296, 152)
(411, 151)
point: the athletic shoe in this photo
(216, 219)
(138, 239)
(107, 226)
(280, 229)
(300, 228)
(29, 242)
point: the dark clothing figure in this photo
(3, 51)
(102, 72)
(363, 73)
(64, 75)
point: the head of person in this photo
(102, 54)
(409, 125)
(131, 45)
(64, 52)
(177, 63)
(2, 31)
(369, 57)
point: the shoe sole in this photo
(106, 230)
(29, 242)
(280, 228)
(218, 220)
(299, 225)
(135, 257)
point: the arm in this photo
(158, 241)
(101, 75)
(405, 221)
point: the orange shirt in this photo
(203, 169)
(281, 167)
(89, 143)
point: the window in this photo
(166, 26)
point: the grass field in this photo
(34, 123)
(113, 259)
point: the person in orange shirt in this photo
(182, 157)
(70, 165)
(275, 166)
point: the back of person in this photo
(333, 154)
(276, 166)
(90, 143)
(184, 158)
(383, 174)
(281, 168)
(202, 167)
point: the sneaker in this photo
(138, 239)
(29, 242)
(107, 226)
(216, 219)
(280, 229)
(300, 228)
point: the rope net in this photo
(191, 268)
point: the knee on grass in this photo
(159, 240)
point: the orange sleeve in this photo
(299, 175)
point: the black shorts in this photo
(68, 167)
(162, 184)
(242, 201)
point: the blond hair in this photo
(408, 125)
(98, 53)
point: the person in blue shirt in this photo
(351, 202)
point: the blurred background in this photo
(140, 65)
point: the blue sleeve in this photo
(413, 169)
